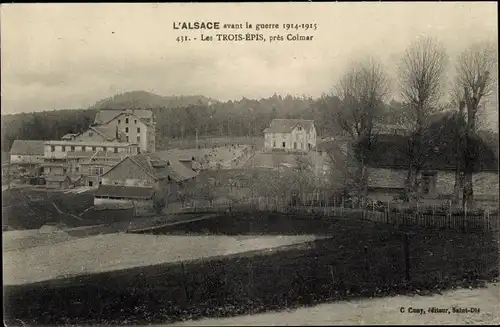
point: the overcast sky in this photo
(58, 56)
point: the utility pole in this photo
(196, 138)
(8, 172)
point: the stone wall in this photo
(485, 183)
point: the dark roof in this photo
(108, 132)
(129, 192)
(287, 125)
(161, 168)
(27, 147)
(172, 167)
(391, 151)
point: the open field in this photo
(358, 259)
(113, 252)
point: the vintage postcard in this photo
(250, 163)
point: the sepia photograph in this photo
(245, 164)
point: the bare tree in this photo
(475, 78)
(421, 77)
(362, 91)
(458, 102)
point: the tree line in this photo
(245, 117)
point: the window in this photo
(63, 148)
(138, 150)
(135, 121)
(284, 144)
(299, 128)
(115, 150)
(126, 121)
(138, 138)
(52, 148)
(91, 134)
(138, 129)
(119, 121)
(104, 149)
(302, 145)
(64, 170)
(428, 182)
(127, 139)
(73, 148)
(126, 129)
(274, 144)
(295, 145)
(77, 169)
(93, 148)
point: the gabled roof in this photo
(104, 116)
(106, 131)
(160, 168)
(178, 172)
(131, 192)
(27, 147)
(287, 125)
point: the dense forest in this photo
(180, 117)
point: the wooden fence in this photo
(458, 221)
(449, 221)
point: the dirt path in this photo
(381, 311)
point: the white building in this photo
(290, 135)
(136, 126)
(60, 149)
(26, 152)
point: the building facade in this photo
(27, 152)
(290, 135)
(136, 126)
(387, 164)
(86, 159)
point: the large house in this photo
(134, 125)
(290, 135)
(388, 167)
(137, 178)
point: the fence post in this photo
(406, 247)
(184, 277)
(367, 264)
(342, 208)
